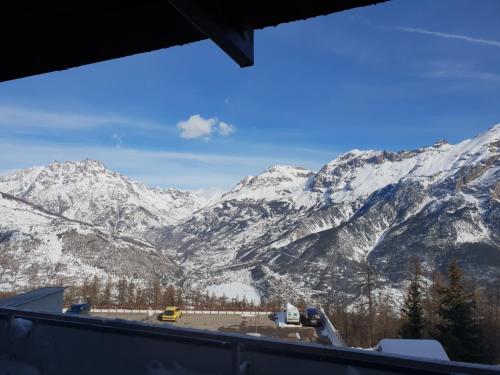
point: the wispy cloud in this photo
(187, 170)
(226, 129)
(464, 38)
(453, 69)
(484, 76)
(21, 117)
(198, 127)
(118, 138)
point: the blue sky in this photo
(398, 75)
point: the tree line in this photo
(452, 309)
(132, 294)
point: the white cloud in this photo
(196, 127)
(226, 129)
(23, 120)
(465, 38)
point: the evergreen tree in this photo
(122, 292)
(413, 311)
(458, 329)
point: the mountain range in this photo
(288, 231)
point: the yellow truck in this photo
(171, 314)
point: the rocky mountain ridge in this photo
(86, 190)
(289, 230)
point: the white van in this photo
(292, 315)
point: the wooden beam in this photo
(238, 44)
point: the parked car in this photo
(292, 314)
(311, 317)
(79, 309)
(171, 314)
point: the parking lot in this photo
(261, 325)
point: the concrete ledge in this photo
(49, 299)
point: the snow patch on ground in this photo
(235, 289)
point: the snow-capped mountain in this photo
(289, 230)
(88, 191)
(295, 231)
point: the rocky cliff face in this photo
(290, 230)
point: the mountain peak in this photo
(281, 168)
(494, 132)
(87, 191)
(440, 143)
(495, 127)
(85, 164)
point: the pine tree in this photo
(413, 311)
(458, 329)
(122, 292)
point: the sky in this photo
(394, 76)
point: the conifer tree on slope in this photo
(413, 311)
(458, 329)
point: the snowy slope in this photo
(40, 248)
(278, 183)
(303, 232)
(357, 174)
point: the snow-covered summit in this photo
(279, 182)
(88, 191)
(356, 174)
